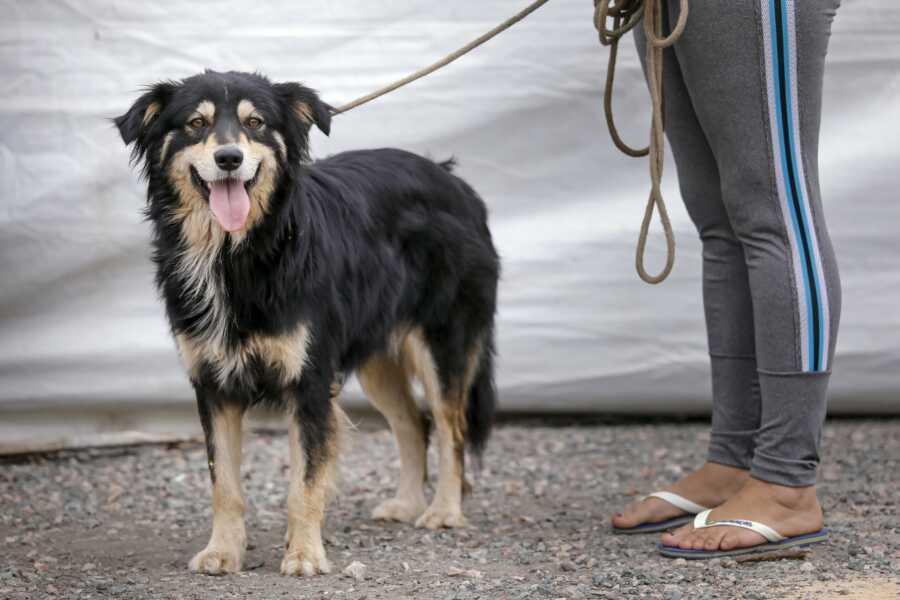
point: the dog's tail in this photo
(482, 401)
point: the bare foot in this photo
(788, 510)
(710, 485)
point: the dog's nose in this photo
(229, 158)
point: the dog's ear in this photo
(134, 123)
(305, 105)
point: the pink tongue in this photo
(229, 202)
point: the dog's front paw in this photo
(440, 516)
(399, 509)
(306, 564)
(216, 561)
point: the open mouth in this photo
(229, 199)
(203, 185)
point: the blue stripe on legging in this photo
(778, 20)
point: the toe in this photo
(649, 510)
(674, 538)
(631, 516)
(711, 542)
(698, 541)
(728, 542)
(686, 541)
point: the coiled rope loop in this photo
(613, 19)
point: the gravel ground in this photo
(123, 522)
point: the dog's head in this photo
(221, 141)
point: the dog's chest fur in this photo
(212, 343)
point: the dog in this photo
(281, 274)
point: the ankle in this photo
(791, 498)
(724, 478)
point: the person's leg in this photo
(728, 311)
(754, 74)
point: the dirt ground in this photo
(123, 522)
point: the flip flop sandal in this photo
(774, 540)
(675, 500)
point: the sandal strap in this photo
(701, 521)
(677, 501)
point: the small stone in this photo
(567, 565)
(807, 567)
(88, 567)
(356, 570)
(673, 595)
(470, 573)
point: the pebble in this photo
(470, 573)
(567, 565)
(356, 570)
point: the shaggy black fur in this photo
(354, 245)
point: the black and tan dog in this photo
(280, 274)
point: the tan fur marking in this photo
(245, 108)
(445, 509)
(152, 110)
(448, 410)
(165, 147)
(387, 386)
(304, 551)
(303, 112)
(225, 549)
(190, 352)
(279, 139)
(417, 360)
(473, 360)
(286, 353)
(207, 110)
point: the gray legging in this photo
(743, 95)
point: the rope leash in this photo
(625, 15)
(444, 61)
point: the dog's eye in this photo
(254, 123)
(197, 123)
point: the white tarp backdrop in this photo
(80, 322)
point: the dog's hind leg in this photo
(313, 437)
(222, 426)
(387, 385)
(448, 411)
